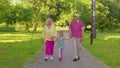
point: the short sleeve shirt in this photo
(48, 33)
(60, 42)
(76, 28)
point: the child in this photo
(60, 44)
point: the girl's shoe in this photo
(60, 59)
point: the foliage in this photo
(4, 8)
(35, 12)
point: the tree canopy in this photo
(33, 13)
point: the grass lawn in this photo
(17, 48)
(106, 47)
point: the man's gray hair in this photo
(76, 15)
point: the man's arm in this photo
(81, 38)
(83, 28)
(67, 38)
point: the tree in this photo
(108, 14)
(18, 14)
(36, 5)
(4, 4)
(93, 29)
(27, 17)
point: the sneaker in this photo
(78, 58)
(46, 58)
(60, 59)
(51, 58)
(75, 59)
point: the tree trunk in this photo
(93, 29)
(27, 27)
(35, 26)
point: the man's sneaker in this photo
(75, 59)
(78, 58)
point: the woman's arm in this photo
(54, 33)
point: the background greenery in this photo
(33, 13)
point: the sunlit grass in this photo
(106, 47)
(18, 37)
(112, 37)
(5, 41)
(16, 48)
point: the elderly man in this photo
(76, 33)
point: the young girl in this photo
(60, 44)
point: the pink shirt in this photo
(76, 29)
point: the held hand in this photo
(70, 35)
(52, 38)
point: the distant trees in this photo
(4, 8)
(33, 13)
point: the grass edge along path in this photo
(106, 47)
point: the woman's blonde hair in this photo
(49, 19)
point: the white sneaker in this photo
(46, 58)
(51, 58)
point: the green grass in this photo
(106, 47)
(17, 48)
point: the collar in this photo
(78, 21)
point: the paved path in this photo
(87, 59)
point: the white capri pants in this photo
(77, 46)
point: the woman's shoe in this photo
(46, 58)
(51, 58)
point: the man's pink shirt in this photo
(76, 28)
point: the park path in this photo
(87, 60)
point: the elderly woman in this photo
(49, 34)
